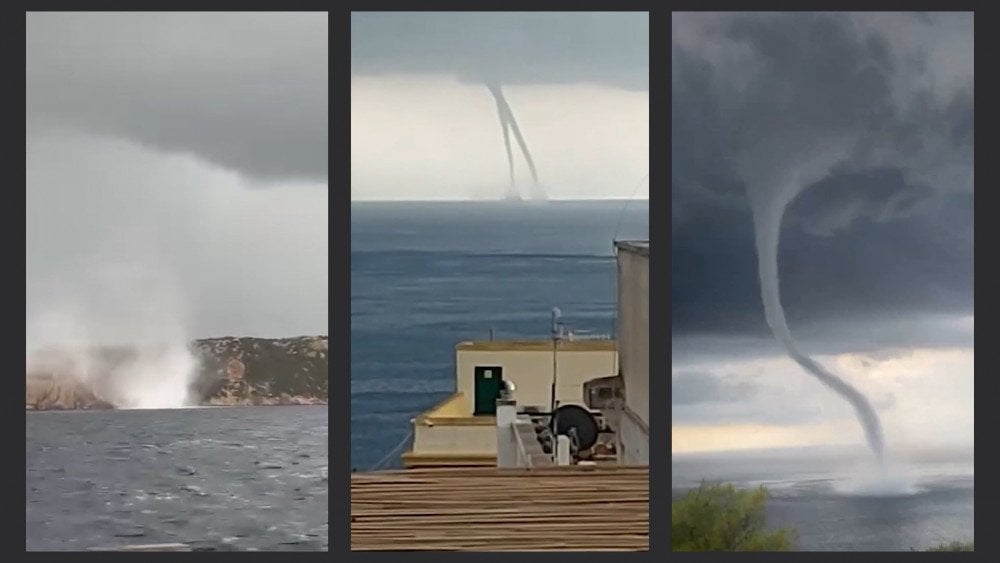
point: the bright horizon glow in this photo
(434, 138)
(685, 439)
(924, 397)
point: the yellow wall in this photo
(466, 439)
(531, 371)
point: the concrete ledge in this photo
(537, 345)
(640, 247)
(530, 453)
(455, 421)
(413, 460)
(453, 411)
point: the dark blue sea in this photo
(425, 276)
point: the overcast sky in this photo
(424, 125)
(876, 255)
(176, 175)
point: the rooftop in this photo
(455, 406)
(489, 509)
(454, 411)
(636, 246)
(604, 345)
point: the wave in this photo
(485, 254)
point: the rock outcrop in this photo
(54, 392)
(259, 371)
(231, 371)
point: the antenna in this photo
(614, 239)
(621, 215)
(557, 333)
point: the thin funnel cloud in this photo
(579, 58)
(768, 211)
(159, 192)
(512, 193)
(508, 122)
(852, 133)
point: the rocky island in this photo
(229, 371)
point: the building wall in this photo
(633, 330)
(633, 347)
(633, 440)
(467, 439)
(531, 372)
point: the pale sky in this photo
(924, 397)
(876, 255)
(176, 175)
(424, 126)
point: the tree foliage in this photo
(720, 517)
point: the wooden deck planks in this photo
(486, 509)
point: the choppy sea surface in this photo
(836, 499)
(425, 276)
(219, 478)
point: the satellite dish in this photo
(579, 419)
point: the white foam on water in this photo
(158, 380)
(887, 480)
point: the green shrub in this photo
(721, 517)
(953, 546)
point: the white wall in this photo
(633, 330)
(633, 440)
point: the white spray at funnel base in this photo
(113, 320)
(157, 379)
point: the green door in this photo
(488, 381)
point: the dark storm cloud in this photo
(247, 91)
(886, 231)
(702, 396)
(512, 48)
(691, 388)
(699, 397)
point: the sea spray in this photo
(157, 378)
(887, 480)
(118, 328)
(134, 376)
